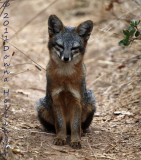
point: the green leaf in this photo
(137, 34)
(132, 32)
(126, 38)
(126, 43)
(132, 22)
(126, 32)
(121, 43)
(130, 28)
(132, 25)
(137, 22)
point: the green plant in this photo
(131, 34)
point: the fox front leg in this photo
(60, 126)
(76, 127)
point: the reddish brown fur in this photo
(65, 99)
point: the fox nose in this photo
(66, 59)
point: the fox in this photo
(68, 106)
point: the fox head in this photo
(67, 43)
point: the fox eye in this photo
(75, 49)
(60, 46)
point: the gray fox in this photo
(67, 106)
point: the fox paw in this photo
(76, 144)
(59, 141)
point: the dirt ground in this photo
(113, 73)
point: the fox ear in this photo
(84, 29)
(54, 25)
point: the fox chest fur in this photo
(65, 81)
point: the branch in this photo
(138, 3)
(38, 14)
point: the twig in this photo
(138, 3)
(20, 65)
(40, 132)
(14, 74)
(3, 7)
(90, 147)
(108, 27)
(24, 54)
(38, 14)
(6, 111)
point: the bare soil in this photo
(113, 73)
